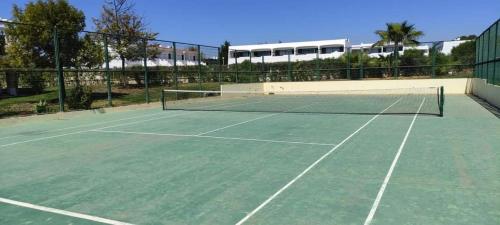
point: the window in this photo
(169, 56)
(391, 48)
(182, 57)
(327, 50)
(242, 54)
(305, 51)
(194, 58)
(375, 50)
(284, 52)
(262, 53)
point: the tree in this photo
(91, 54)
(224, 52)
(127, 31)
(30, 36)
(468, 37)
(465, 53)
(398, 34)
(2, 44)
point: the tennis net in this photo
(429, 100)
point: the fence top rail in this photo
(112, 35)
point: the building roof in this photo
(289, 44)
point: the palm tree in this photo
(398, 34)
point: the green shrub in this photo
(79, 98)
(41, 107)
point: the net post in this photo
(174, 46)
(146, 75)
(108, 74)
(441, 101)
(60, 78)
(162, 98)
(199, 69)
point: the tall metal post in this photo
(60, 77)
(433, 60)
(199, 70)
(146, 75)
(108, 74)
(251, 68)
(236, 65)
(174, 46)
(361, 69)
(495, 59)
(396, 64)
(289, 71)
(221, 61)
(262, 68)
(317, 74)
(348, 64)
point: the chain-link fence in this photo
(92, 70)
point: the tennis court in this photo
(383, 160)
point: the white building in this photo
(310, 50)
(298, 51)
(445, 47)
(377, 51)
(185, 57)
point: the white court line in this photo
(63, 212)
(118, 125)
(87, 125)
(42, 138)
(369, 218)
(214, 137)
(310, 167)
(258, 118)
(236, 124)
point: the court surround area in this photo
(290, 165)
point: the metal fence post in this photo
(108, 74)
(488, 55)
(348, 75)
(495, 59)
(175, 70)
(289, 66)
(317, 74)
(433, 67)
(199, 70)
(221, 61)
(146, 75)
(251, 68)
(236, 65)
(60, 78)
(262, 68)
(361, 71)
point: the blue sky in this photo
(267, 21)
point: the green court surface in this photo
(222, 167)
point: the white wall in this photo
(451, 86)
(488, 92)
